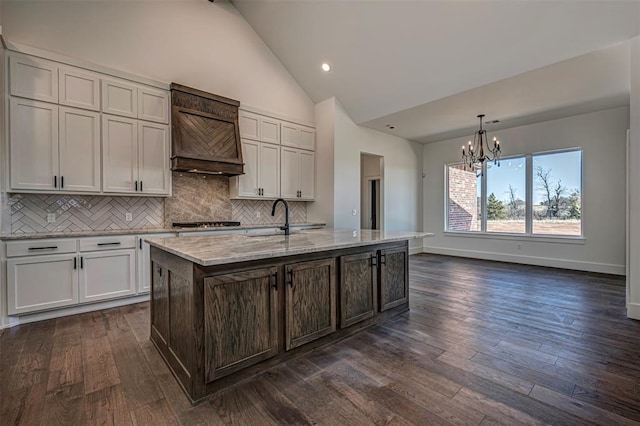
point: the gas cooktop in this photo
(217, 224)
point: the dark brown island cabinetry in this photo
(358, 278)
(394, 277)
(216, 325)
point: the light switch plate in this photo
(354, 212)
(128, 217)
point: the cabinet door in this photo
(289, 178)
(153, 158)
(41, 282)
(33, 136)
(269, 170)
(357, 287)
(310, 301)
(119, 154)
(290, 135)
(307, 138)
(107, 274)
(249, 125)
(144, 261)
(79, 150)
(240, 324)
(248, 182)
(33, 78)
(269, 130)
(78, 88)
(153, 104)
(120, 98)
(394, 277)
(307, 175)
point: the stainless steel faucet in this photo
(285, 228)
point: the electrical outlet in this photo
(128, 217)
(258, 215)
(51, 217)
(354, 212)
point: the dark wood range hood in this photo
(205, 134)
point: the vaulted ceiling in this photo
(429, 67)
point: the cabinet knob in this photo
(274, 281)
(290, 277)
(136, 185)
(140, 186)
(61, 181)
(55, 181)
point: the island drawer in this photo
(40, 247)
(108, 243)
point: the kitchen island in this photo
(224, 308)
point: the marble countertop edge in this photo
(220, 250)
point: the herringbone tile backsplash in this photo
(247, 212)
(96, 213)
(83, 213)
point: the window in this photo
(537, 194)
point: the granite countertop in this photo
(222, 249)
(77, 234)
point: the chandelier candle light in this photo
(475, 156)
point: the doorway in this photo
(371, 191)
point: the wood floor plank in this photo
(157, 413)
(107, 406)
(580, 409)
(484, 343)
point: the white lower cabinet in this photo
(107, 274)
(93, 269)
(37, 283)
(144, 261)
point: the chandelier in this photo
(476, 154)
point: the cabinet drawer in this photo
(108, 243)
(40, 247)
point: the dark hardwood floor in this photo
(484, 343)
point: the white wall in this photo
(602, 135)
(205, 45)
(321, 210)
(633, 279)
(401, 175)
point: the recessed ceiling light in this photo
(326, 67)
(390, 126)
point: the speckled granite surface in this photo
(222, 249)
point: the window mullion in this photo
(483, 183)
(529, 195)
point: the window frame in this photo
(529, 185)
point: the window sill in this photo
(515, 237)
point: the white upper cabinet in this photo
(79, 88)
(261, 178)
(249, 125)
(135, 157)
(290, 176)
(153, 158)
(269, 130)
(307, 138)
(79, 150)
(259, 127)
(119, 97)
(307, 175)
(33, 140)
(119, 154)
(290, 135)
(297, 136)
(298, 174)
(33, 78)
(153, 104)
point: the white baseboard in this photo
(74, 310)
(415, 250)
(633, 311)
(605, 268)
